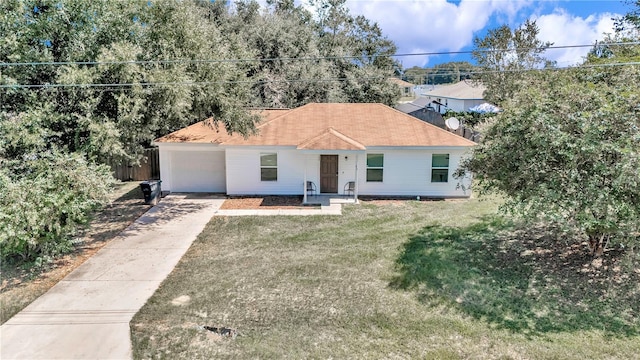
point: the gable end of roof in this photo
(330, 139)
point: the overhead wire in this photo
(131, 85)
(312, 58)
(149, 84)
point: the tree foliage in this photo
(445, 73)
(138, 98)
(631, 20)
(85, 82)
(346, 58)
(504, 55)
(282, 36)
(625, 38)
(41, 208)
(567, 148)
(130, 106)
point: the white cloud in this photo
(419, 26)
(562, 28)
(426, 26)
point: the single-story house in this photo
(376, 149)
(458, 97)
(407, 92)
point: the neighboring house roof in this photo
(328, 127)
(417, 104)
(401, 82)
(429, 87)
(461, 90)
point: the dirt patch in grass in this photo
(399, 200)
(23, 283)
(295, 202)
(384, 202)
(263, 202)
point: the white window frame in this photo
(381, 168)
(440, 168)
(264, 167)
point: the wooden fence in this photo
(149, 168)
(435, 118)
(467, 133)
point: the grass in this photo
(441, 280)
(524, 280)
(22, 283)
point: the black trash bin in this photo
(151, 191)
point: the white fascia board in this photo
(189, 146)
(426, 148)
(331, 151)
(257, 147)
(458, 98)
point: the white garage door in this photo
(198, 171)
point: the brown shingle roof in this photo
(401, 82)
(331, 139)
(329, 126)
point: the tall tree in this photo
(154, 64)
(503, 56)
(329, 57)
(631, 20)
(359, 53)
(284, 39)
(566, 149)
(87, 81)
(444, 73)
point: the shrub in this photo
(42, 205)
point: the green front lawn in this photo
(434, 280)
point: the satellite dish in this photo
(452, 123)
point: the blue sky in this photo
(419, 26)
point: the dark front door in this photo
(329, 173)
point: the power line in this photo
(518, 49)
(187, 83)
(130, 85)
(315, 58)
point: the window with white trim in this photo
(375, 166)
(268, 167)
(440, 168)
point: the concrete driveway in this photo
(87, 314)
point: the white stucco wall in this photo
(408, 173)
(236, 171)
(243, 171)
(458, 105)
